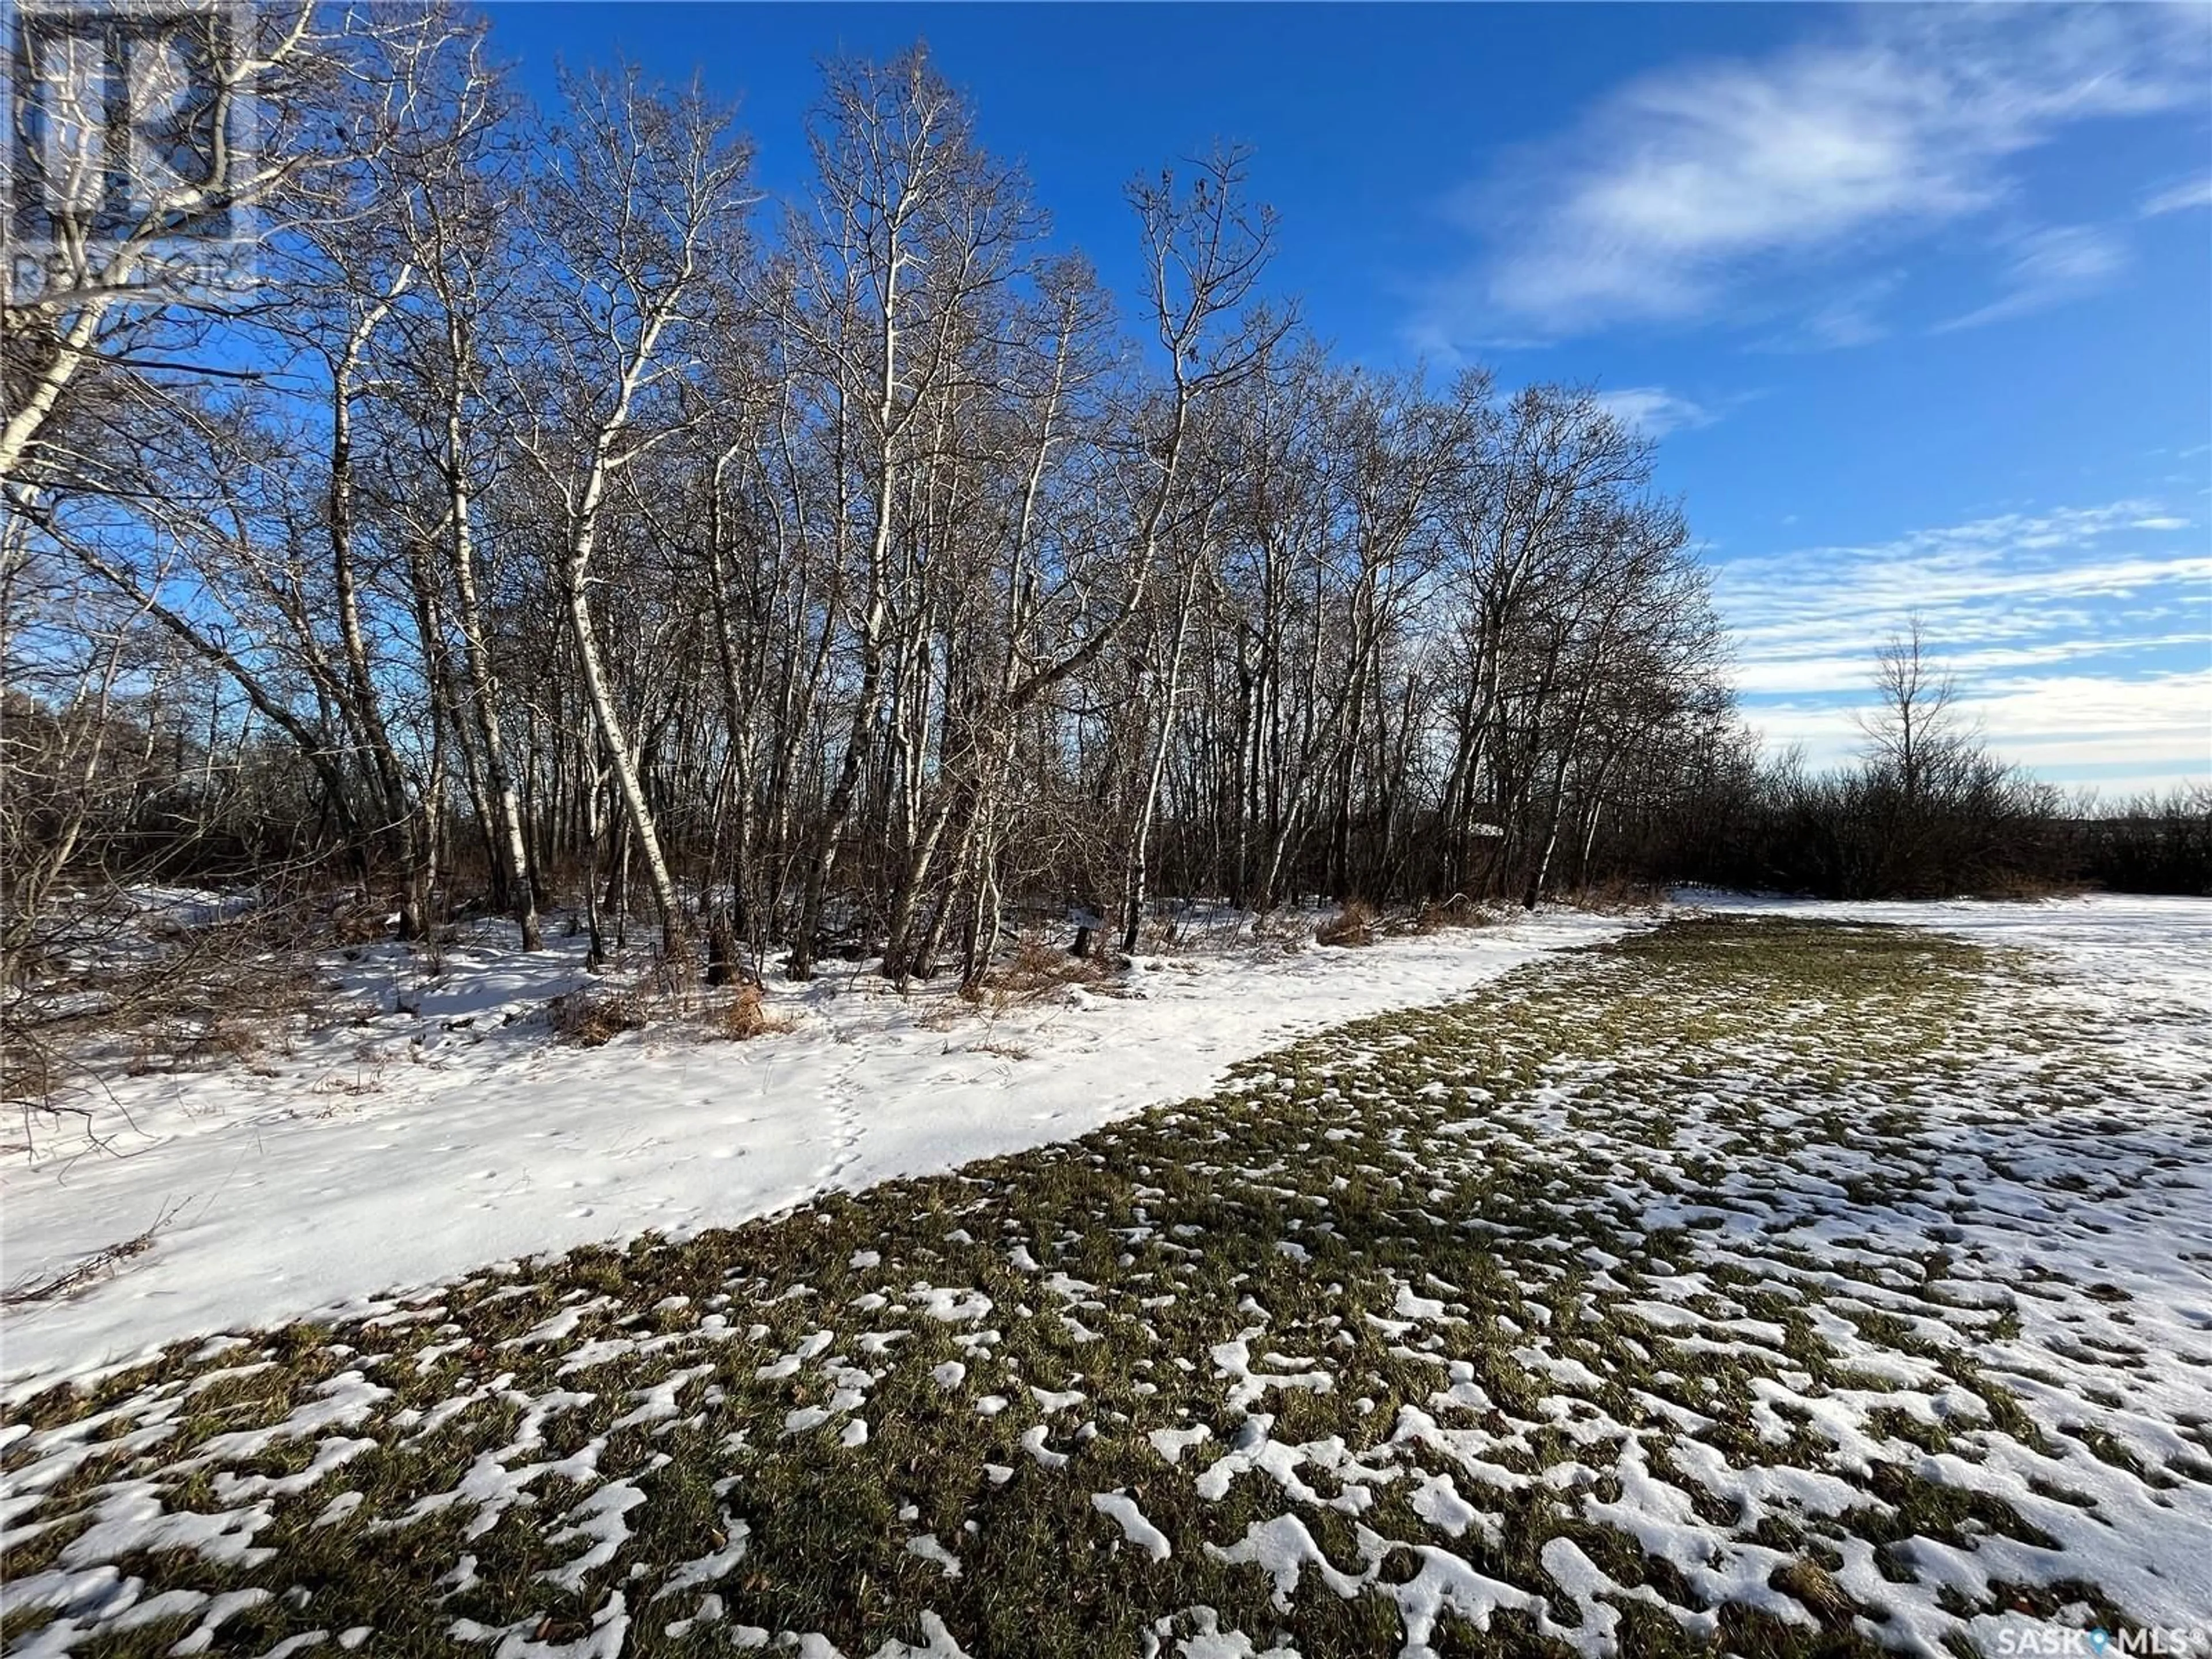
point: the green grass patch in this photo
(1650, 1299)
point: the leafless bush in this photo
(197, 1042)
(587, 1017)
(1619, 894)
(1214, 930)
(1036, 970)
(1437, 916)
(113, 985)
(2153, 844)
(28, 1070)
(358, 921)
(1352, 925)
(678, 969)
(1282, 932)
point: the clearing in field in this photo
(1799, 1287)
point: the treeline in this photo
(553, 518)
(1852, 833)
(580, 522)
(1930, 813)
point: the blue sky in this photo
(1918, 301)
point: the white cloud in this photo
(1692, 182)
(2048, 267)
(2062, 627)
(2006, 578)
(1849, 675)
(2062, 726)
(2197, 193)
(1653, 411)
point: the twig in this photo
(55, 1286)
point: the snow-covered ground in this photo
(434, 1138)
(416, 1145)
(1743, 1289)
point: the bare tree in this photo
(105, 303)
(1912, 732)
(640, 209)
(527, 536)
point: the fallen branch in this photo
(71, 1280)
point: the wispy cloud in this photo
(2128, 732)
(2048, 267)
(1692, 184)
(1850, 319)
(1653, 411)
(2195, 193)
(2007, 577)
(1848, 677)
(2074, 632)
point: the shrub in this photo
(1615, 894)
(1035, 970)
(585, 1019)
(747, 1017)
(1352, 925)
(1457, 911)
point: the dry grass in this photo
(746, 1016)
(1618, 893)
(1037, 971)
(586, 1017)
(226, 1037)
(1815, 1586)
(597, 1014)
(1436, 916)
(1352, 925)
